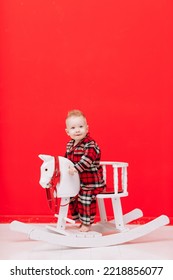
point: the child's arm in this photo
(91, 154)
(72, 170)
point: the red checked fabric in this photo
(86, 158)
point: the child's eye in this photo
(81, 126)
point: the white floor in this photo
(157, 245)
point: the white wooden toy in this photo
(60, 184)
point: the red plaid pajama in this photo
(86, 158)
(83, 207)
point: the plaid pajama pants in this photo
(83, 207)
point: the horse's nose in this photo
(43, 184)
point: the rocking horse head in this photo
(54, 173)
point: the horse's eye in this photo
(46, 169)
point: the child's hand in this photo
(72, 170)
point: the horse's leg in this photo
(63, 212)
(62, 217)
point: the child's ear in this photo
(66, 130)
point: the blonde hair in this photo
(75, 113)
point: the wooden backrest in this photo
(118, 172)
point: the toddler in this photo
(85, 153)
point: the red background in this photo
(111, 59)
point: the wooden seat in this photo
(118, 173)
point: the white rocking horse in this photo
(60, 184)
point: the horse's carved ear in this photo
(45, 157)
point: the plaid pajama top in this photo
(86, 158)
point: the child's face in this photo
(76, 128)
